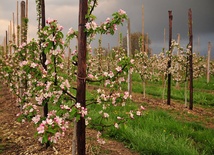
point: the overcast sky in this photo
(155, 14)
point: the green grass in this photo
(158, 133)
(203, 91)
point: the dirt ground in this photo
(19, 139)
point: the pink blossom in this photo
(48, 85)
(105, 74)
(39, 100)
(115, 27)
(99, 140)
(121, 79)
(116, 125)
(52, 113)
(87, 120)
(49, 121)
(121, 12)
(111, 74)
(59, 27)
(67, 84)
(88, 26)
(131, 115)
(74, 52)
(47, 62)
(71, 31)
(132, 61)
(64, 107)
(119, 118)
(99, 90)
(40, 139)
(54, 52)
(90, 76)
(107, 82)
(58, 120)
(36, 119)
(33, 65)
(94, 25)
(91, 25)
(138, 113)
(23, 63)
(41, 128)
(142, 108)
(83, 111)
(49, 20)
(126, 95)
(23, 45)
(131, 70)
(119, 69)
(108, 20)
(78, 105)
(52, 139)
(105, 115)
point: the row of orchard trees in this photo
(37, 75)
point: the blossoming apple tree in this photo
(53, 86)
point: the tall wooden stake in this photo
(17, 26)
(4, 51)
(6, 43)
(129, 54)
(164, 38)
(26, 15)
(143, 44)
(81, 75)
(147, 44)
(22, 21)
(14, 33)
(10, 38)
(178, 53)
(169, 62)
(208, 62)
(190, 60)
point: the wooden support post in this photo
(22, 21)
(208, 62)
(129, 55)
(26, 14)
(14, 33)
(177, 64)
(164, 38)
(10, 38)
(81, 75)
(169, 55)
(147, 44)
(17, 24)
(143, 44)
(4, 51)
(6, 44)
(190, 60)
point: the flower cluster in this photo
(51, 129)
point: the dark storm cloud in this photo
(155, 15)
(156, 18)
